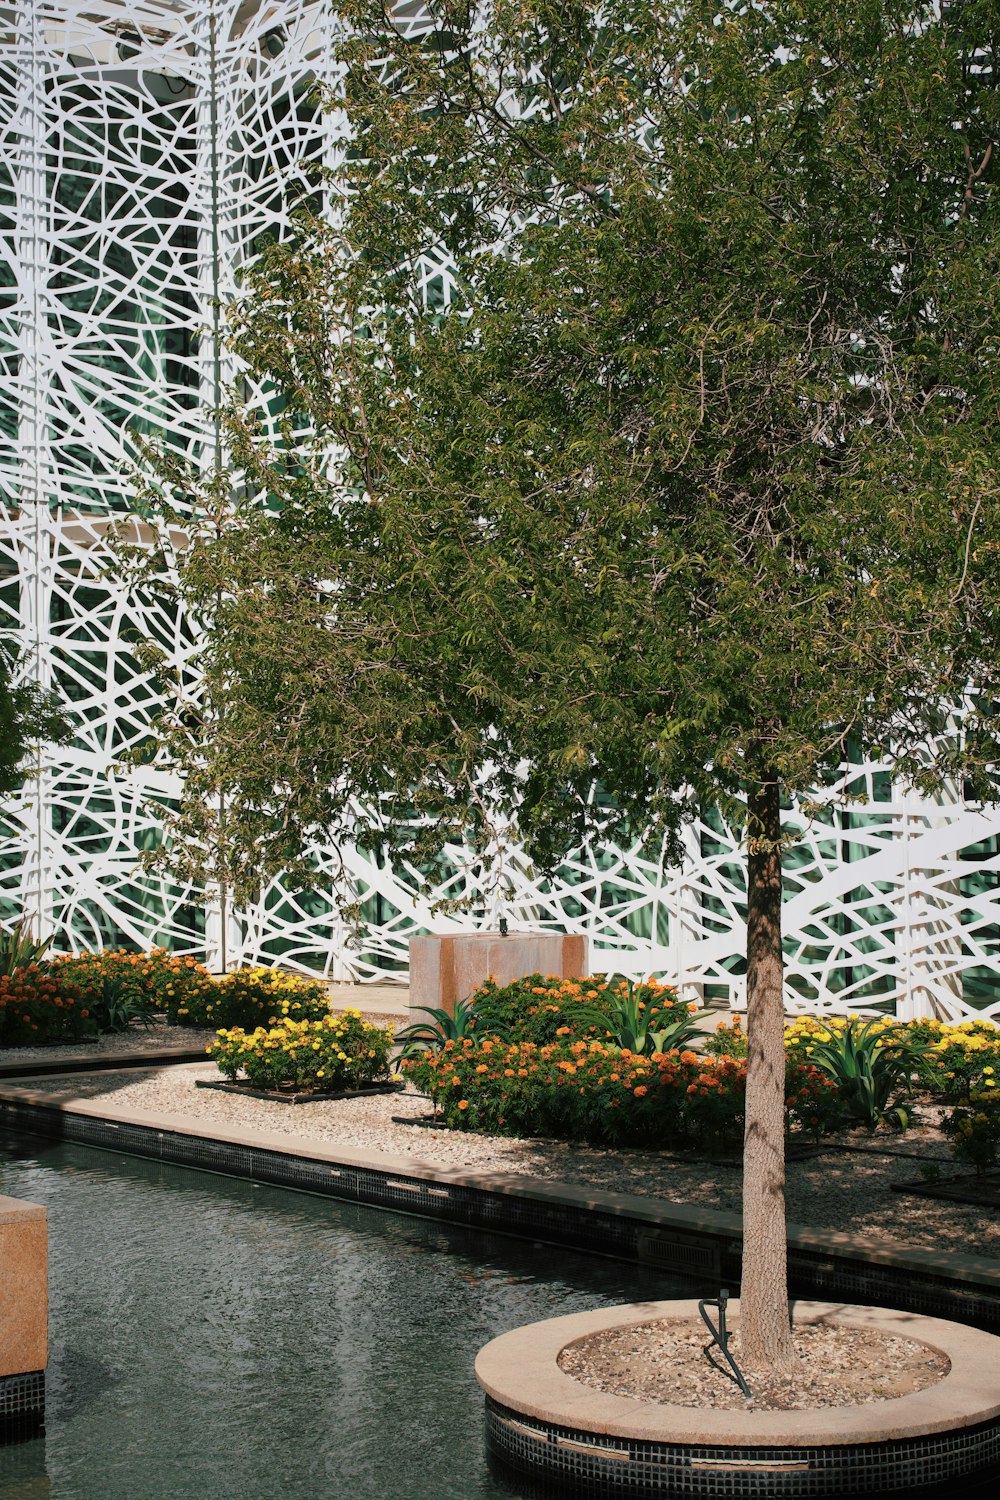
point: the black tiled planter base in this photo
(22, 1406)
(604, 1467)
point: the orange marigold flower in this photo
(463, 1103)
(641, 1091)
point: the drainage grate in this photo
(678, 1254)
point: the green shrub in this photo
(38, 1005)
(729, 1039)
(249, 998)
(544, 1009)
(335, 1053)
(121, 986)
(595, 1092)
(975, 1131)
(961, 1059)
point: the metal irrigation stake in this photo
(721, 1337)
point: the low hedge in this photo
(543, 1008)
(337, 1052)
(590, 1091)
(249, 998)
(39, 1005)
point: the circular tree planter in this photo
(543, 1423)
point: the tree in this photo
(680, 475)
(27, 714)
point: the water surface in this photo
(216, 1340)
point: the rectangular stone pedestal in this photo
(446, 969)
(24, 1317)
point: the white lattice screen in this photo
(143, 151)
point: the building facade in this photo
(144, 150)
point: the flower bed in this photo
(591, 1091)
(545, 1008)
(87, 994)
(248, 998)
(331, 1055)
(37, 1005)
(586, 1059)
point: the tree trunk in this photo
(765, 1336)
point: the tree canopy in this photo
(648, 369)
(27, 715)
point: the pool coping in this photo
(521, 1372)
(702, 1242)
(98, 1062)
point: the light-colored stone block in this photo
(24, 1287)
(444, 969)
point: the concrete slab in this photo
(447, 968)
(24, 1287)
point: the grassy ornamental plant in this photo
(873, 1063)
(326, 1055)
(18, 947)
(442, 1026)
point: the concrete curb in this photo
(694, 1241)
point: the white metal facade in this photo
(143, 149)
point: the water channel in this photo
(216, 1340)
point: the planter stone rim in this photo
(519, 1370)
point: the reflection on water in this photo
(216, 1340)
(23, 1474)
(213, 1338)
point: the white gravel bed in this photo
(837, 1190)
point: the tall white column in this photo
(931, 937)
(35, 483)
